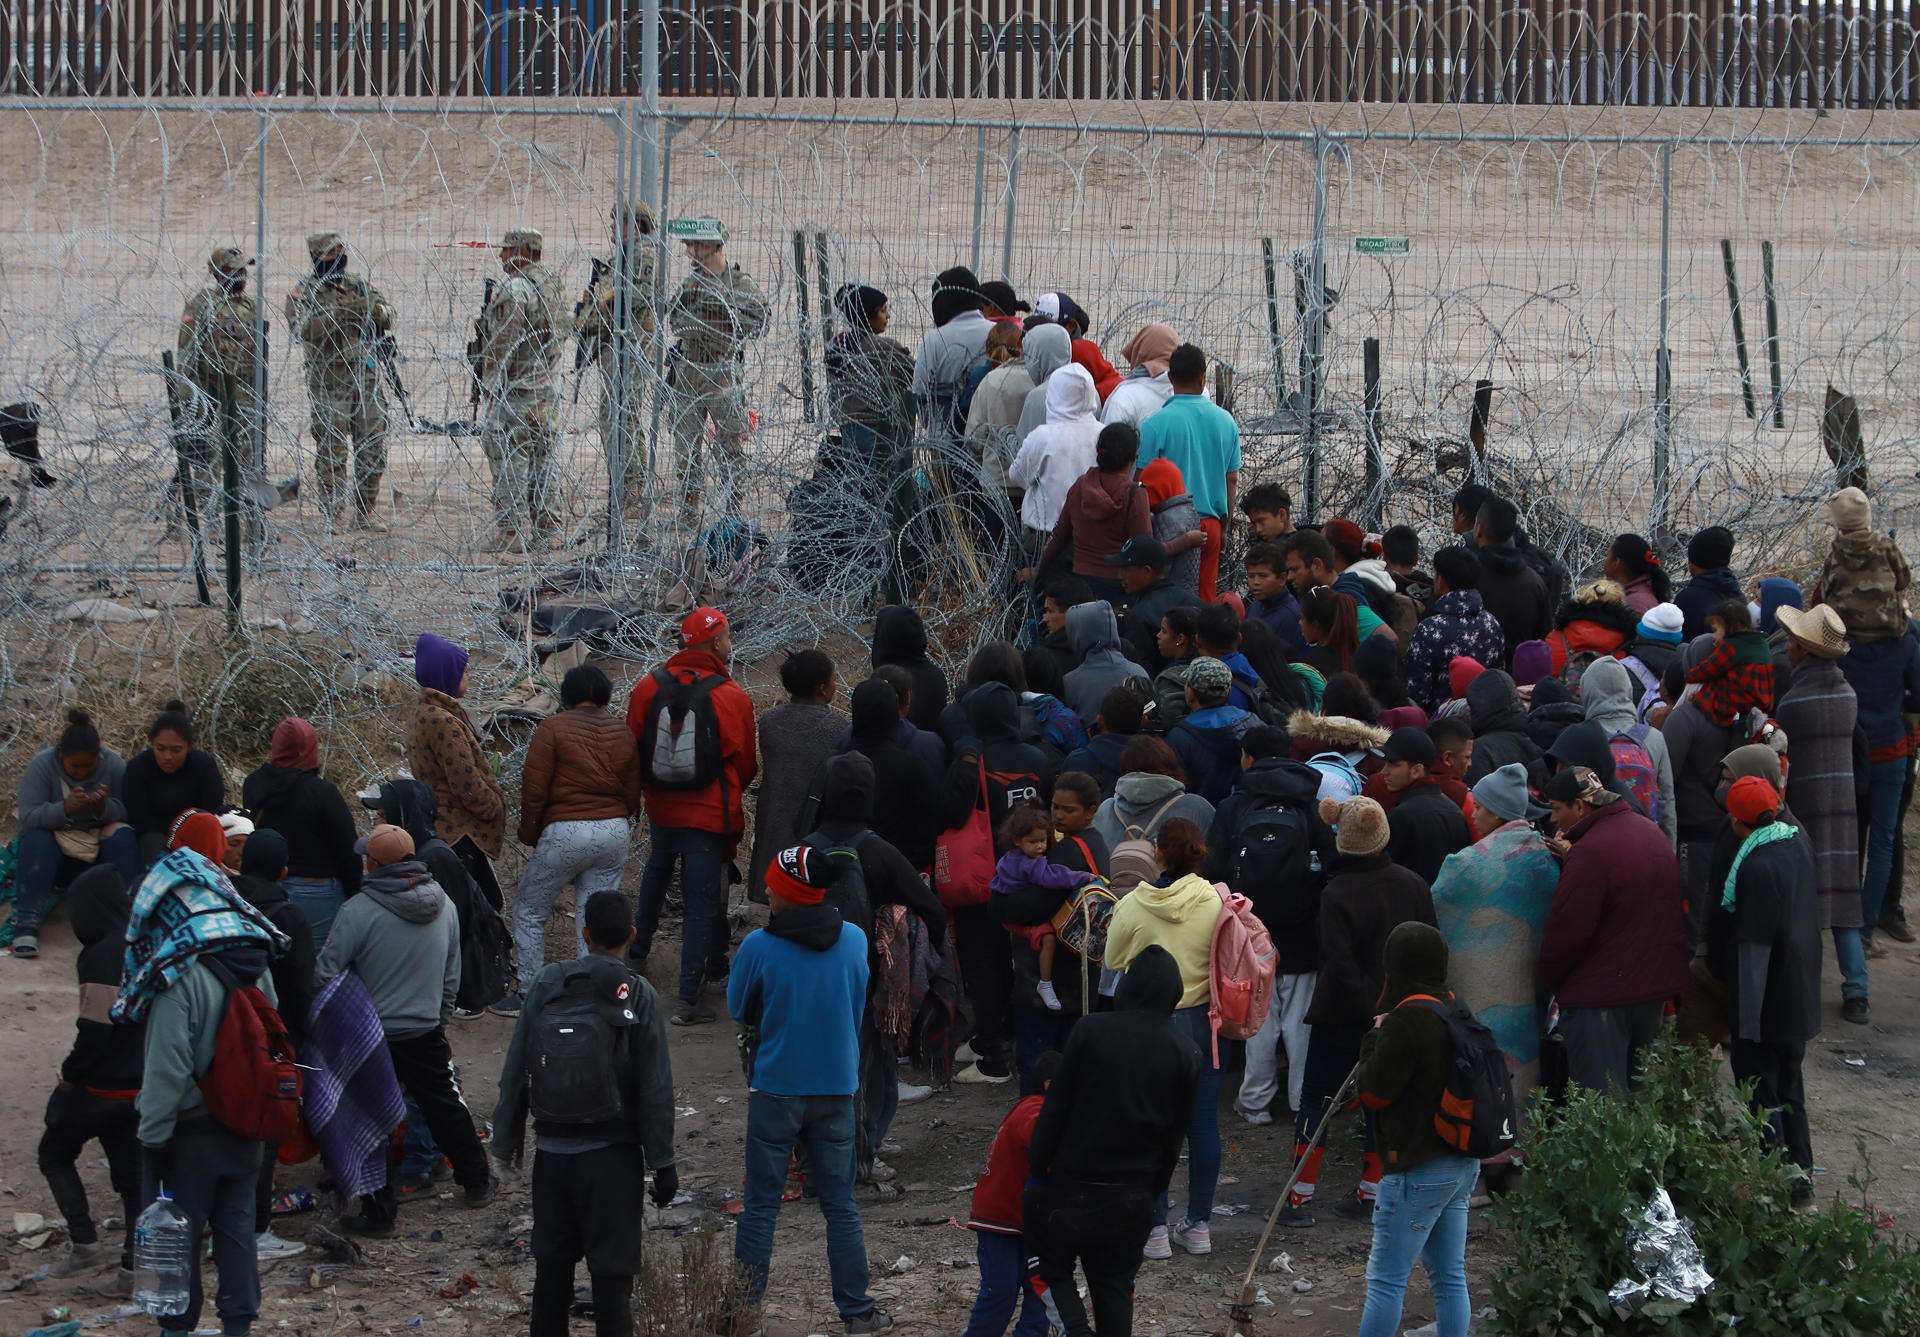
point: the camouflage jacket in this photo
(216, 339)
(526, 326)
(714, 315)
(338, 319)
(595, 314)
(1865, 579)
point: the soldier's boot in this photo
(366, 499)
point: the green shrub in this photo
(1596, 1158)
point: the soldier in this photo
(341, 319)
(594, 323)
(524, 328)
(716, 311)
(216, 355)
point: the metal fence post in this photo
(657, 360)
(1013, 196)
(979, 192)
(257, 437)
(616, 442)
(1315, 336)
(1663, 371)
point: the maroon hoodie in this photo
(1102, 511)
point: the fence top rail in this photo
(682, 118)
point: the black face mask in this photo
(328, 266)
(234, 287)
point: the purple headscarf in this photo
(438, 664)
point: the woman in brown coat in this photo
(578, 793)
(445, 753)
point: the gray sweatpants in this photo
(589, 855)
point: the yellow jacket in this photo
(1179, 918)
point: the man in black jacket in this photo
(1142, 563)
(1105, 1146)
(1709, 554)
(1278, 861)
(1425, 825)
(590, 1165)
(1500, 734)
(1509, 587)
(98, 1079)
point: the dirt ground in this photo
(1861, 1083)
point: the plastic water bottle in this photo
(162, 1257)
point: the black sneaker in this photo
(483, 1194)
(1353, 1207)
(878, 1321)
(1802, 1195)
(366, 1226)
(1854, 1010)
(692, 1014)
(1298, 1217)
(1895, 927)
(510, 1005)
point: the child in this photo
(1269, 512)
(1269, 598)
(1026, 836)
(1737, 675)
(995, 1215)
(1400, 549)
(1865, 577)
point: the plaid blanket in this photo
(349, 1096)
(185, 906)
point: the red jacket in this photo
(1105, 379)
(699, 809)
(1581, 634)
(996, 1198)
(1617, 934)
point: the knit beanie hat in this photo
(1361, 825)
(1850, 509)
(1663, 622)
(1503, 793)
(795, 875)
(1461, 671)
(265, 855)
(1416, 962)
(1532, 661)
(1711, 547)
(200, 832)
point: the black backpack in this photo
(680, 745)
(1264, 705)
(486, 957)
(1272, 847)
(576, 1051)
(846, 880)
(1476, 1114)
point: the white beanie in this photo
(1664, 617)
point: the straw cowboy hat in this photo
(1819, 629)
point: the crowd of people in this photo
(1581, 810)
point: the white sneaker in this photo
(913, 1095)
(1157, 1245)
(965, 1054)
(1196, 1237)
(972, 1076)
(268, 1246)
(1258, 1118)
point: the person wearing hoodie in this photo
(444, 750)
(905, 788)
(192, 939)
(1614, 951)
(1608, 699)
(1778, 594)
(1864, 578)
(1151, 791)
(994, 1215)
(800, 986)
(1176, 523)
(1421, 1210)
(1425, 824)
(1365, 900)
(1553, 712)
(1057, 307)
(401, 937)
(71, 816)
(1121, 716)
(900, 637)
(1336, 744)
(1106, 1144)
(1055, 454)
(1250, 849)
(263, 862)
(1094, 633)
(1207, 738)
(1695, 745)
(1500, 728)
(1203, 441)
(1713, 582)
(1104, 508)
(1048, 348)
(290, 795)
(1509, 587)
(1145, 387)
(1586, 744)
(993, 417)
(1655, 646)
(1457, 624)
(1593, 622)
(99, 1078)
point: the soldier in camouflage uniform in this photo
(716, 311)
(594, 320)
(525, 327)
(1865, 576)
(340, 318)
(216, 357)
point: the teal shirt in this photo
(1202, 440)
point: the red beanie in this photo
(200, 832)
(1461, 671)
(793, 876)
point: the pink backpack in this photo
(1240, 971)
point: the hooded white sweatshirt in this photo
(1060, 450)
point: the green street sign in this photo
(696, 229)
(1383, 245)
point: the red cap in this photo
(1753, 800)
(200, 832)
(702, 624)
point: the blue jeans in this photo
(1885, 783)
(824, 1126)
(1203, 1131)
(1421, 1213)
(1003, 1285)
(42, 867)
(319, 899)
(1851, 954)
(700, 855)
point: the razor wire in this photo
(1533, 264)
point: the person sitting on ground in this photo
(1400, 552)
(99, 1079)
(445, 751)
(1150, 596)
(994, 1215)
(1119, 720)
(1632, 564)
(1421, 1207)
(1207, 738)
(579, 793)
(1709, 554)
(1176, 522)
(1737, 675)
(1865, 576)
(1426, 826)
(1104, 507)
(1765, 948)
(171, 775)
(1026, 836)
(602, 1118)
(263, 863)
(401, 936)
(794, 736)
(71, 817)
(1145, 388)
(1270, 599)
(1103, 664)
(900, 638)
(237, 828)
(1593, 623)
